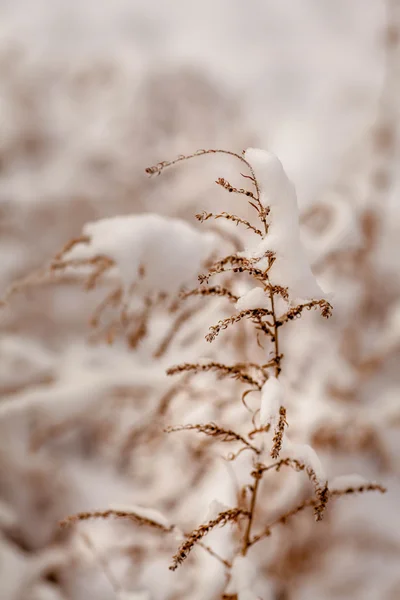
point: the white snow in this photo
(170, 250)
(291, 268)
(141, 595)
(254, 298)
(157, 579)
(272, 398)
(243, 578)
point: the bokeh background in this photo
(91, 93)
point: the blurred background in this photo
(92, 93)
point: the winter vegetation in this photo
(199, 359)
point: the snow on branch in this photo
(291, 268)
(272, 398)
(163, 253)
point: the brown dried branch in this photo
(114, 513)
(365, 487)
(257, 430)
(279, 431)
(227, 186)
(213, 430)
(237, 371)
(279, 290)
(252, 271)
(157, 169)
(232, 515)
(210, 291)
(293, 313)
(257, 475)
(255, 313)
(45, 275)
(103, 264)
(220, 266)
(322, 500)
(204, 216)
(240, 264)
(83, 239)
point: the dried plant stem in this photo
(157, 169)
(204, 216)
(293, 313)
(254, 313)
(227, 186)
(216, 290)
(278, 433)
(276, 335)
(231, 515)
(83, 239)
(239, 264)
(104, 265)
(114, 513)
(254, 490)
(213, 430)
(237, 371)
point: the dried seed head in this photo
(232, 515)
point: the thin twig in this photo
(204, 216)
(213, 430)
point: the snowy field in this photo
(282, 425)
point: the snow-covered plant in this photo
(278, 286)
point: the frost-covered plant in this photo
(282, 287)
